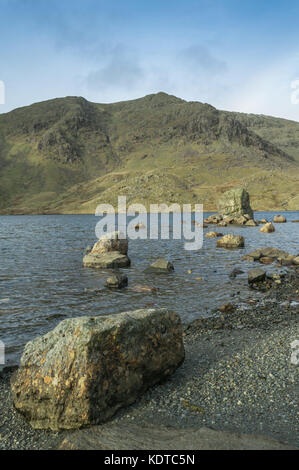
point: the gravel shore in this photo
(238, 376)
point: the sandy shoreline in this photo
(237, 376)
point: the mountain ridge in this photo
(68, 154)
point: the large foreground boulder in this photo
(109, 252)
(235, 202)
(231, 241)
(84, 370)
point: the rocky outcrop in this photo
(235, 202)
(87, 368)
(231, 241)
(109, 252)
(267, 228)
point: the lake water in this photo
(42, 280)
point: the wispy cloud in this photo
(119, 68)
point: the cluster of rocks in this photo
(224, 221)
(233, 208)
(269, 255)
(111, 251)
(87, 368)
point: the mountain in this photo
(67, 155)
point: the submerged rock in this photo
(235, 272)
(235, 202)
(161, 265)
(268, 228)
(231, 241)
(117, 282)
(87, 368)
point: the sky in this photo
(235, 55)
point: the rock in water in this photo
(256, 275)
(111, 242)
(214, 234)
(251, 223)
(160, 266)
(109, 252)
(268, 228)
(235, 202)
(112, 260)
(87, 368)
(231, 241)
(117, 282)
(279, 219)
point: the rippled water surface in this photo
(42, 280)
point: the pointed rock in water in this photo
(235, 202)
(87, 368)
(109, 252)
(111, 242)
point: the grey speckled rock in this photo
(235, 202)
(84, 370)
(256, 275)
(112, 259)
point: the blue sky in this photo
(234, 55)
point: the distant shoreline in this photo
(116, 212)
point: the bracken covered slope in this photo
(67, 155)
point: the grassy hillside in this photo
(68, 155)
